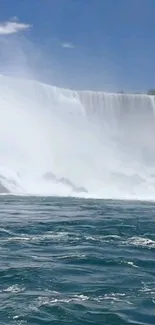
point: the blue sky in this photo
(93, 44)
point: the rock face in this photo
(10, 183)
(77, 189)
(49, 176)
(3, 189)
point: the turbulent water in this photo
(75, 143)
(76, 261)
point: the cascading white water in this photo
(61, 142)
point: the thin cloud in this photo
(67, 45)
(12, 27)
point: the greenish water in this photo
(72, 261)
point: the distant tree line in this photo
(149, 92)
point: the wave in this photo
(75, 143)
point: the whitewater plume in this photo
(75, 143)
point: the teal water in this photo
(72, 261)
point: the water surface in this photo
(73, 261)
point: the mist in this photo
(61, 142)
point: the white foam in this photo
(14, 289)
(143, 242)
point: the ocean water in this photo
(76, 261)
